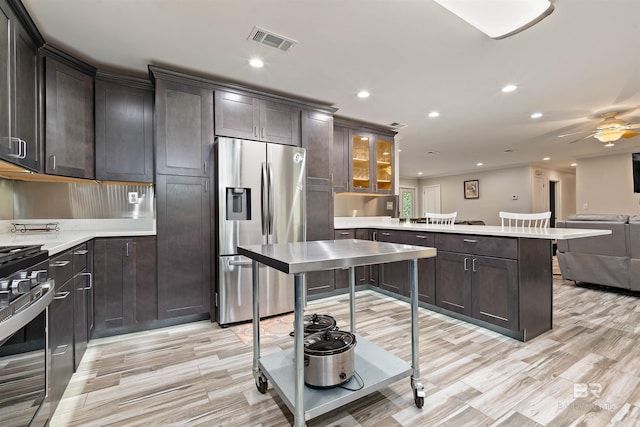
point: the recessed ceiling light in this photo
(509, 88)
(479, 164)
(536, 115)
(256, 63)
(363, 94)
(419, 173)
(364, 138)
(546, 158)
(399, 150)
(434, 114)
(574, 164)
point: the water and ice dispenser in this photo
(238, 203)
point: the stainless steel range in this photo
(25, 294)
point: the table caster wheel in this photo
(262, 385)
(419, 400)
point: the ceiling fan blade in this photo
(583, 138)
(630, 134)
(577, 133)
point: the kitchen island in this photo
(496, 277)
(376, 367)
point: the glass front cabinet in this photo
(371, 157)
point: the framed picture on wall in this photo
(472, 189)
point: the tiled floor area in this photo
(585, 372)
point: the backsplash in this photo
(41, 200)
(350, 204)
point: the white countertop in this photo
(74, 232)
(483, 230)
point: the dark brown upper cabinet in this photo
(19, 139)
(184, 115)
(69, 124)
(124, 128)
(247, 117)
(363, 157)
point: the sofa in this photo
(610, 260)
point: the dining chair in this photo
(442, 219)
(533, 220)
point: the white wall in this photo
(605, 185)
(496, 190)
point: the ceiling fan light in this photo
(610, 135)
(499, 18)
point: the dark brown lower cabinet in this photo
(60, 341)
(394, 276)
(494, 291)
(125, 288)
(485, 288)
(453, 282)
(184, 247)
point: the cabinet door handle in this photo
(263, 133)
(386, 234)
(59, 263)
(90, 281)
(255, 131)
(22, 148)
(473, 266)
(81, 252)
(420, 237)
(344, 233)
(374, 236)
(206, 186)
(205, 167)
(60, 350)
(470, 241)
(466, 268)
(61, 295)
(127, 249)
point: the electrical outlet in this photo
(133, 197)
(585, 206)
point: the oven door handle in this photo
(22, 318)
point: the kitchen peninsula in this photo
(496, 277)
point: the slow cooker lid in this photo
(328, 343)
(318, 322)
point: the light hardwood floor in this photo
(585, 372)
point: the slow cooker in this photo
(329, 358)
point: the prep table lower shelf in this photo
(377, 367)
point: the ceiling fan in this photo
(609, 130)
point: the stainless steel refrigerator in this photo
(260, 199)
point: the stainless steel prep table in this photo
(377, 367)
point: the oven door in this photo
(23, 366)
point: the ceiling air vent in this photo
(272, 39)
(397, 125)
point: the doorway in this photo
(430, 199)
(553, 199)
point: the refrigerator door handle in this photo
(271, 201)
(264, 200)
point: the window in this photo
(407, 202)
